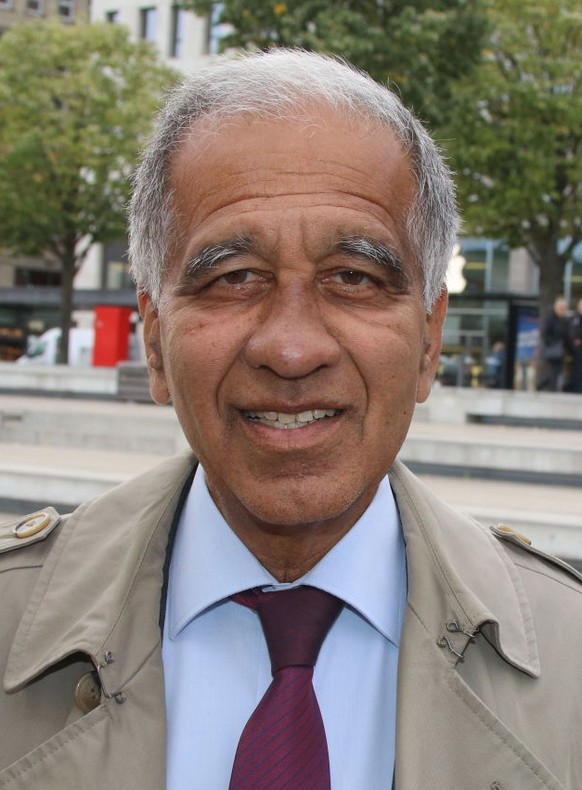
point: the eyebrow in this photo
(209, 257)
(380, 253)
(368, 248)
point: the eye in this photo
(234, 278)
(238, 277)
(352, 277)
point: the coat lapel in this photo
(101, 600)
(449, 738)
(462, 590)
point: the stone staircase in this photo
(65, 450)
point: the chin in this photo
(295, 505)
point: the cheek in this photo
(393, 353)
(200, 356)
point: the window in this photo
(35, 6)
(215, 30)
(149, 18)
(115, 273)
(67, 10)
(178, 25)
(112, 17)
(25, 277)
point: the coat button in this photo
(88, 692)
(32, 524)
(506, 530)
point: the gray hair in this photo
(277, 84)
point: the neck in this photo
(289, 551)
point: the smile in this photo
(283, 421)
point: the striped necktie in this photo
(283, 745)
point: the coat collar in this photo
(460, 579)
(91, 593)
(90, 596)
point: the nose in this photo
(291, 337)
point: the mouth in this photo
(285, 421)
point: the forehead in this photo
(237, 168)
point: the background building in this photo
(18, 275)
(13, 11)
(29, 287)
(182, 39)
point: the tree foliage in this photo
(75, 105)
(421, 46)
(516, 137)
(499, 84)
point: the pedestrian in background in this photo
(555, 340)
(576, 346)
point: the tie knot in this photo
(295, 622)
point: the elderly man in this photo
(290, 230)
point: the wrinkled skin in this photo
(292, 289)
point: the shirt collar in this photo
(366, 569)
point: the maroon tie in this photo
(283, 745)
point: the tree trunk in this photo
(68, 264)
(551, 266)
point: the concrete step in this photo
(478, 450)
(551, 516)
(465, 405)
(63, 451)
(90, 424)
(31, 477)
(504, 452)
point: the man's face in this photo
(561, 308)
(291, 335)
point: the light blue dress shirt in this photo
(215, 657)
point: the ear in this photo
(432, 347)
(153, 346)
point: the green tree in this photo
(515, 140)
(75, 105)
(421, 46)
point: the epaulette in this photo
(24, 530)
(510, 535)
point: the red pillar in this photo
(112, 327)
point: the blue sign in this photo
(528, 336)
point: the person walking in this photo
(554, 337)
(576, 346)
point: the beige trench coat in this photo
(490, 677)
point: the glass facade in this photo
(478, 335)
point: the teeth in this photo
(319, 413)
(285, 421)
(306, 416)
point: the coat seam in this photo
(574, 588)
(466, 701)
(32, 566)
(48, 749)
